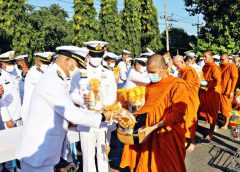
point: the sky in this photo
(176, 9)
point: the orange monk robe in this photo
(238, 83)
(229, 76)
(191, 77)
(164, 151)
(210, 98)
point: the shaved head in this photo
(178, 61)
(224, 58)
(157, 65)
(207, 56)
(157, 60)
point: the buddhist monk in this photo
(229, 76)
(166, 104)
(210, 94)
(190, 75)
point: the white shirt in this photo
(10, 101)
(46, 126)
(124, 70)
(30, 82)
(136, 79)
(196, 67)
(80, 86)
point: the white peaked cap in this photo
(216, 57)
(112, 55)
(192, 54)
(8, 56)
(126, 52)
(94, 44)
(44, 54)
(76, 53)
(21, 57)
(83, 51)
(150, 51)
(142, 59)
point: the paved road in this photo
(212, 156)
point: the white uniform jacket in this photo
(10, 101)
(30, 82)
(136, 79)
(46, 126)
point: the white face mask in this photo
(95, 61)
(43, 67)
(10, 68)
(74, 72)
(112, 65)
(143, 69)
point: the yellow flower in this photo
(116, 70)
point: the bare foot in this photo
(208, 137)
(191, 147)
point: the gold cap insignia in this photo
(98, 47)
(49, 57)
(10, 56)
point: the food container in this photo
(234, 126)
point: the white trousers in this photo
(28, 168)
(94, 138)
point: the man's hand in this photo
(86, 99)
(149, 130)
(231, 95)
(111, 115)
(1, 90)
(10, 124)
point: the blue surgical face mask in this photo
(154, 77)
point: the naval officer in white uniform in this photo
(50, 110)
(124, 65)
(42, 62)
(138, 75)
(92, 138)
(10, 100)
(22, 69)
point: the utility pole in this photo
(198, 26)
(166, 23)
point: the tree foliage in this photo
(179, 40)
(150, 33)
(131, 17)
(86, 26)
(221, 32)
(110, 25)
(27, 30)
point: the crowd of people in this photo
(60, 92)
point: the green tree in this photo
(15, 26)
(110, 25)
(221, 32)
(150, 33)
(51, 27)
(86, 26)
(131, 17)
(179, 40)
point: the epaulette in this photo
(60, 74)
